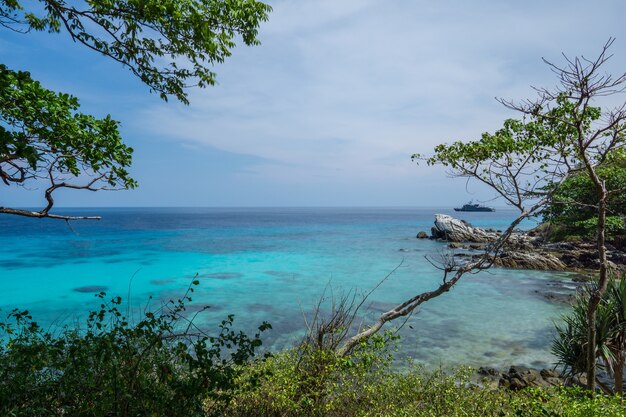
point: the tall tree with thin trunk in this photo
(593, 135)
(562, 134)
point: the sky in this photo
(330, 108)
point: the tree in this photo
(563, 133)
(592, 136)
(570, 344)
(169, 44)
(44, 138)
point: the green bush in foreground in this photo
(160, 366)
(164, 366)
(358, 391)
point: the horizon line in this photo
(256, 206)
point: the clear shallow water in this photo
(273, 264)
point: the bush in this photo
(309, 381)
(410, 392)
(315, 379)
(165, 366)
(162, 366)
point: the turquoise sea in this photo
(273, 264)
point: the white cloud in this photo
(348, 90)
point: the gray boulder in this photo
(455, 230)
(520, 377)
(422, 235)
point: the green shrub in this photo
(309, 381)
(410, 392)
(570, 344)
(165, 366)
(161, 366)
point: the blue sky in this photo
(328, 110)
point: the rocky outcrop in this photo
(455, 230)
(584, 255)
(520, 377)
(530, 260)
(523, 249)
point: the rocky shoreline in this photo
(520, 377)
(532, 251)
(524, 249)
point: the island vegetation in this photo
(563, 160)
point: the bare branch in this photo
(405, 308)
(41, 214)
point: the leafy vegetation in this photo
(573, 210)
(168, 44)
(316, 379)
(411, 392)
(163, 365)
(570, 345)
(43, 137)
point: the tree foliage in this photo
(564, 133)
(168, 44)
(573, 209)
(43, 137)
(526, 159)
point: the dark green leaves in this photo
(43, 136)
(574, 207)
(161, 364)
(168, 44)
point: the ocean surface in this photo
(274, 264)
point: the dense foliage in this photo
(570, 344)
(573, 211)
(162, 365)
(43, 136)
(168, 44)
(411, 392)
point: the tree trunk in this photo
(619, 374)
(596, 296)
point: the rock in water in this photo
(520, 377)
(530, 260)
(523, 249)
(455, 230)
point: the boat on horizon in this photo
(471, 206)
